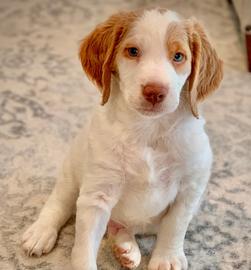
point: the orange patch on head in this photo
(177, 42)
(189, 39)
(99, 49)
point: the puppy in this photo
(143, 161)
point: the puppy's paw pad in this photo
(178, 262)
(128, 254)
(39, 239)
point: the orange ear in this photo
(207, 68)
(99, 48)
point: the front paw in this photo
(168, 261)
(39, 239)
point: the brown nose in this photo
(154, 93)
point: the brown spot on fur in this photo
(177, 41)
(99, 49)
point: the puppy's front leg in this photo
(93, 213)
(168, 253)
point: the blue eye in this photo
(133, 52)
(178, 57)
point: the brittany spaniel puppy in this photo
(143, 161)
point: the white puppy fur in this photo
(144, 166)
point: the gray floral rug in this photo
(45, 99)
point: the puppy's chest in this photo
(151, 182)
(149, 167)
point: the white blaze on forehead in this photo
(153, 25)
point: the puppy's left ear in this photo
(207, 68)
(98, 50)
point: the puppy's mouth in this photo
(157, 109)
(152, 110)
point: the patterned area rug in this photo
(45, 99)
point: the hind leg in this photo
(126, 249)
(42, 234)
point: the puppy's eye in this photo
(178, 57)
(133, 52)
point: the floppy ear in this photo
(98, 50)
(207, 68)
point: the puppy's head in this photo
(154, 55)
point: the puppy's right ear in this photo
(98, 50)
